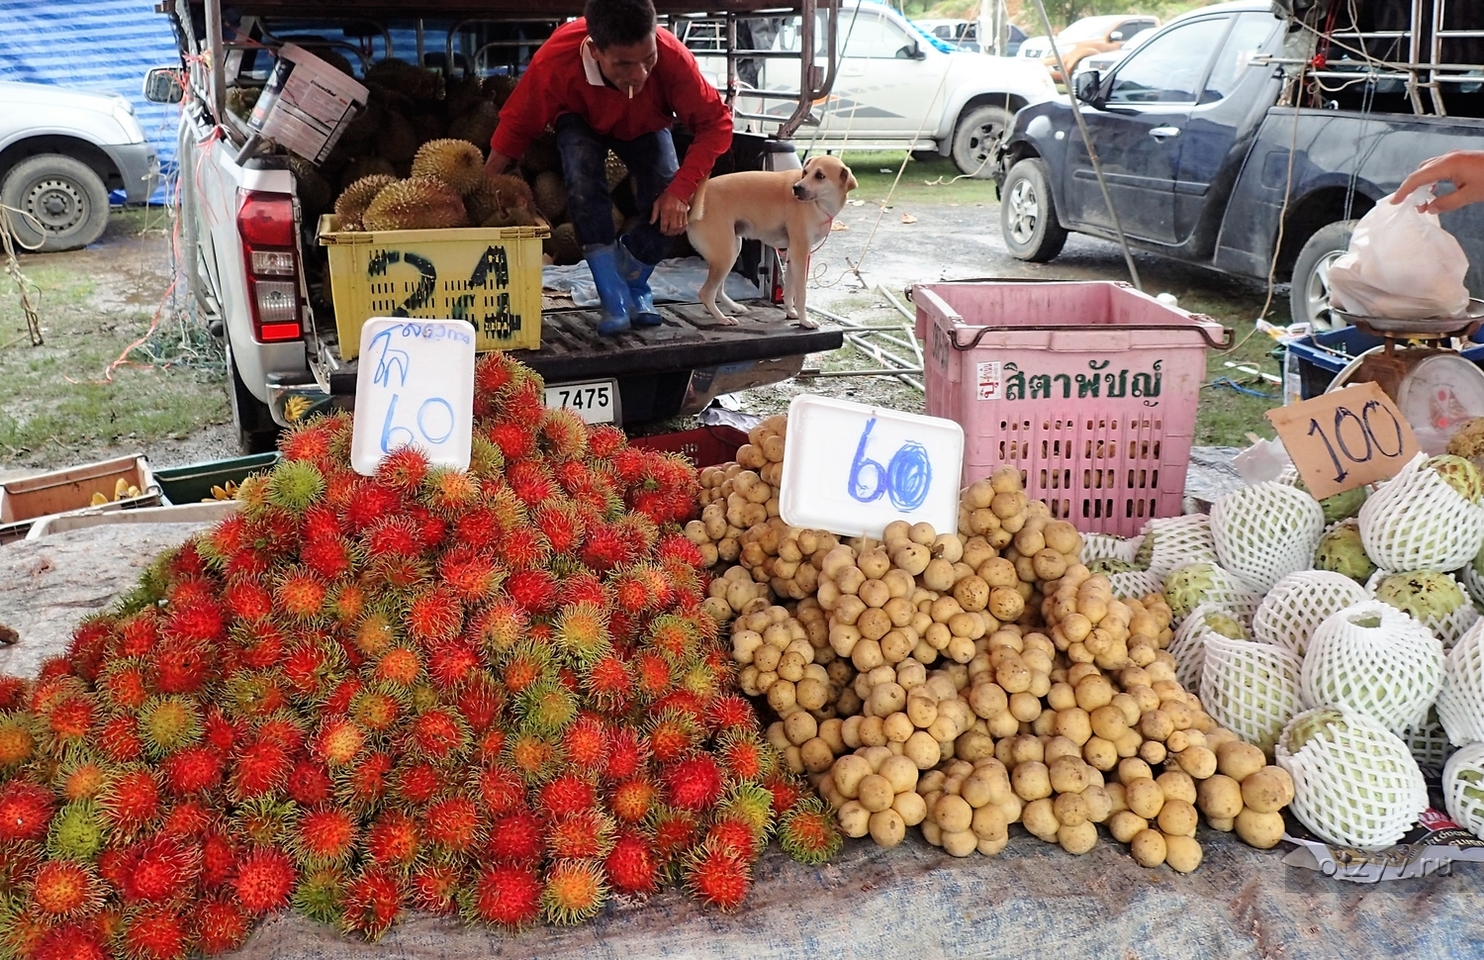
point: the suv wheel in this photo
(1308, 295)
(65, 196)
(976, 138)
(1027, 217)
(256, 430)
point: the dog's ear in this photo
(848, 178)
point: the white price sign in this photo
(415, 385)
(851, 469)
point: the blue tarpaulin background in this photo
(95, 46)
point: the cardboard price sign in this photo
(1346, 439)
(415, 386)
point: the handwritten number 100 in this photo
(1362, 432)
(905, 478)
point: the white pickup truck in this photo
(258, 275)
(61, 153)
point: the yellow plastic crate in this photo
(490, 276)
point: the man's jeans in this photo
(651, 161)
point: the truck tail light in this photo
(266, 223)
(776, 294)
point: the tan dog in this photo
(792, 210)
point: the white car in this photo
(61, 153)
(1103, 62)
(895, 90)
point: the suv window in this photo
(1247, 38)
(1130, 27)
(1169, 68)
(872, 37)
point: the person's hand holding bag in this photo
(1401, 265)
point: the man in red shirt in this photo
(615, 80)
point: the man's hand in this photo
(497, 164)
(1463, 168)
(671, 214)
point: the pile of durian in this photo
(414, 157)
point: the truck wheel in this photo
(1308, 295)
(1027, 217)
(256, 430)
(65, 196)
(976, 138)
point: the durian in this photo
(415, 82)
(352, 203)
(500, 87)
(482, 202)
(476, 125)
(315, 193)
(551, 195)
(417, 203)
(241, 100)
(358, 133)
(617, 171)
(366, 167)
(397, 139)
(542, 155)
(563, 245)
(457, 163)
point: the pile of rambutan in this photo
(492, 693)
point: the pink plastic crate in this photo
(1089, 387)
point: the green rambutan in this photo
(17, 739)
(631, 866)
(581, 632)
(435, 886)
(564, 434)
(76, 832)
(499, 626)
(485, 458)
(338, 742)
(453, 824)
(252, 694)
(438, 734)
(169, 723)
(325, 837)
(155, 933)
(219, 925)
(717, 878)
(130, 801)
(191, 770)
(546, 708)
(158, 869)
(64, 888)
(671, 635)
(375, 709)
(375, 633)
(393, 839)
(504, 895)
(259, 767)
(373, 901)
(632, 800)
(309, 783)
(300, 594)
(744, 755)
(448, 491)
(574, 892)
(265, 879)
(295, 485)
(693, 783)
(525, 665)
(434, 614)
(752, 804)
(263, 821)
(809, 833)
(320, 894)
(22, 932)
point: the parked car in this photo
(964, 35)
(897, 91)
(61, 153)
(1103, 62)
(1206, 161)
(1093, 35)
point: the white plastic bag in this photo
(1401, 265)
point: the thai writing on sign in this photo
(1346, 439)
(851, 469)
(1006, 381)
(415, 386)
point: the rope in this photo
(27, 289)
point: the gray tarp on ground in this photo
(911, 902)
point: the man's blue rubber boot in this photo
(613, 290)
(636, 273)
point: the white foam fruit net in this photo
(1418, 522)
(1179, 542)
(1354, 782)
(1252, 688)
(1372, 658)
(1105, 546)
(1461, 701)
(1446, 625)
(1463, 788)
(1473, 579)
(1265, 532)
(1188, 645)
(1428, 742)
(1299, 603)
(1135, 583)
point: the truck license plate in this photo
(595, 401)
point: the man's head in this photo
(622, 32)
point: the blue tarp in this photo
(94, 45)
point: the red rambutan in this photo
(247, 599)
(199, 620)
(365, 783)
(218, 860)
(325, 836)
(453, 824)
(347, 602)
(679, 549)
(632, 800)
(478, 529)
(515, 440)
(604, 439)
(373, 901)
(730, 711)
(449, 492)
(734, 835)
(534, 756)
(183, 666)
(564, 433)
(630, 866)
(575, 891)
(265, 879)
(393, 839)
(118, 739)
(561, 524)
(471, 575)
(585, 743)
(673, 832)
(399, 667)
(300, 593)
(672, 734)
(260, 766)
(259, 645)
(492, 372)
(438, 734)
(718, 878)
(191, 770)
(309, 783)
(431, 528)
(417, 782)
(654, 677)
(220, 926)
(187, 820)
(505, 895)
(609, 683)
(566, 794)
(605, 548)
(130, 801)
(628, 751)
(809, 832)
(403, 469)
(394, 535)
(155, 933)
(480, 698)
(435, 887)
(369, 503)
(500, 625)
(517, 836)
(61, 888)
(434, 614)
(159, 869)
(17, 739)
(71, 720)
(375, 710)
(338, 742)
(500, 789)
(71, 941)
(693, 783)
(523, 549)
(328, 557)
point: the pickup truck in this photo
(254, 270)
(61, 153)
(1250, 142)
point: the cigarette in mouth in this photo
(631, 91)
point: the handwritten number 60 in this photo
(1373, 444)
(905, 478)
(435, 421)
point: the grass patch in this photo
(54, 400)
(1226, 414)
(924, 181)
